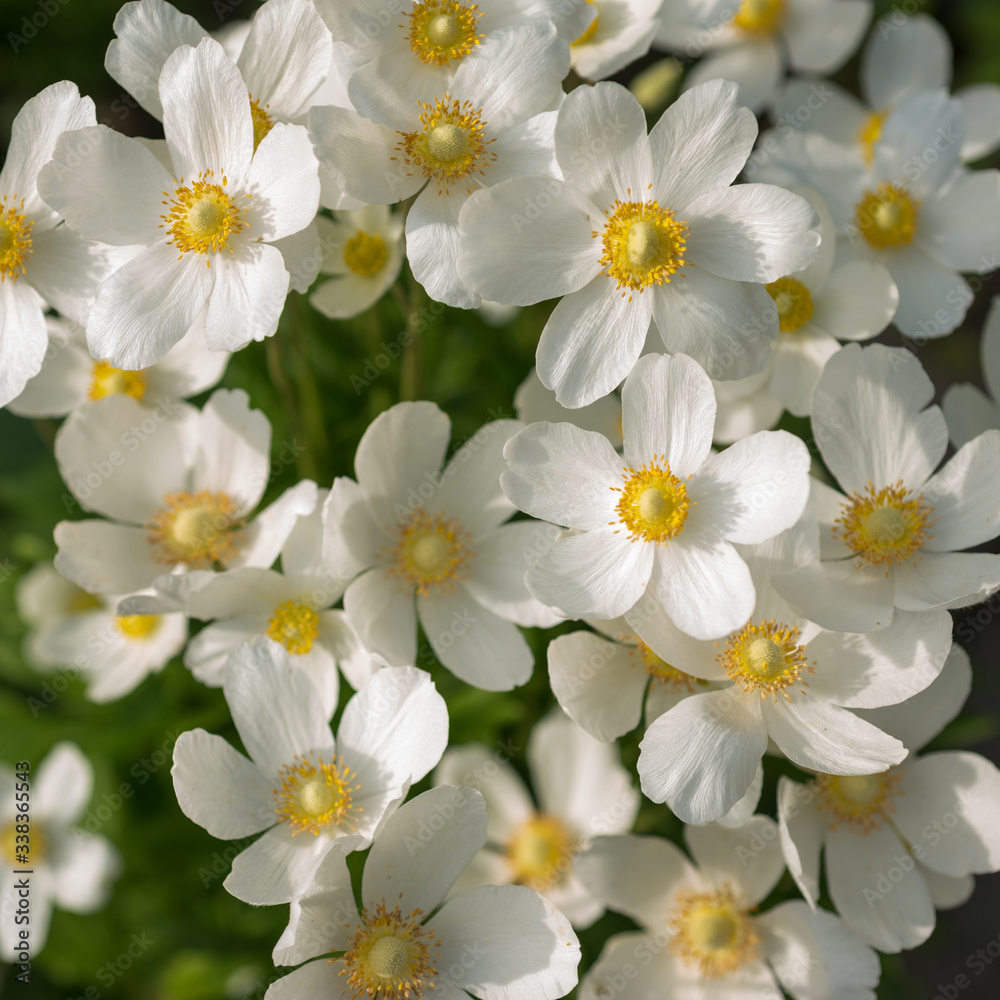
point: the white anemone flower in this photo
(416, 50)
(42, 263)
(904, 55)
(969, 411)
(667, 519)
(636, 228)
(69, 376)
(534, 402)
(70, 868)
(750, 46)
(602, 679)
(581, 789)
(622, 32)
(701, 933)
(894, 542)
(899, 844)
(786, 681)
(177, 486)
(308, 789)
(501, 942)
(291, 608)
(213, 201)
(432, 543)
(363, 250)
(493, 122)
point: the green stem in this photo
(410, 370)
(312, 407)
(303, 459)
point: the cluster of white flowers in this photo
(746, 599)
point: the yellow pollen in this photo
(138, 628)
(34, 845)
(365, 253)
(794, 303)
(643, 244)
(106, 380)
(863, 801)
(390, 956)
(887, 216)
(15, 239)
(870, 133)
(202, 217)
(431, 553)
(766, 658)
(198, 529)
(884, 526)
(442, 31)
(540, 852)
(262, 122)
(760, 17)
(314, 796)
(451, 145)
(654, 502)
(662, 672)
(295, 626)
(82, 601)
(713, 932)
(591, 28)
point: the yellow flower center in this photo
(32, 850)
(887, 217)
(885, 526)
(643, 244)
(82, 601)
(765, 658)
(365, 253)
(863, 801)
(713, 932)
(202, 217)
(106, 380)
(295, 626)
(451, 145)
(760, 17)
(654, 502)
(442, 31)
(431, 552)
(138, 628)
(197, 529)
(262, 122)
(314, 796)
(870, 133)
(795, 304)
(540, 852)
(591, 28)
(390, 956)
(662, 672)
(15, 239)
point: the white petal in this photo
(946, 578)
(933, 299)
(959, 228)
(105, 558)
(315, 979)
(947, 892)
(432, 247)
(63, 785)
(858, 301)
(968, 412)
(980, 113)
(748, 857)
(821, 37)
(23, 337)
(802, 827)
(384, 616)
(904, 55)
(261, 540)
(843, 596)
(754, 65)
(276, 868)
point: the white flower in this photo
(178, 487)
(291, 608)
(70, 868)
(701, 935)
(581, 789)
(745, 406)
(639, 228)
(620, 33)
(969, 411)
(431, 542)
(494, 121)
(904, 55)
(668, 519)
(497, 942)
(600, 684)
(70, 376)
(818, 36)
(902, 842)
(42, 263)
(533, 402)
(364, 250)
(308, 789)
(895, 540)
(792, 684)
(218, 203)
(415, 51)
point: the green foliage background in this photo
(321, 383)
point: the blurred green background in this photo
(202, 943)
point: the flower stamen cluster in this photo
(862, 801)
(15, 239)
(884, 526)
(713, 932)
(643, 244)
(887, 216)
(196, 529)
(314, 796)
(202, 216)
(295, 626)
(766, 658)
(654, 503)
(442, 31)
(431, 553)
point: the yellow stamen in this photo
(662, 672)
(202, 217)
(654, 502)
(15, 239)
(431, 553)
(262, 122)
(760, 17)
(540, 852)
(138, 628)
(106, 380)
(316, 796)
(295, 626)
(766, 658)
(794, 302)
(887, 216)
(863, 801)
(713, 932)
(870, 133)
(591, 28)
(442, 31)
(199, 530)
(643, 244)
(365, 253)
